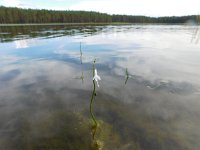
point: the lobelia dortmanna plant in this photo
(97, 144)
(196, 35)
(95, 79)
(81, 61)
(126, 76)
(81, 54)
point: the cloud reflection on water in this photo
(158, 102)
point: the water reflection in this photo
(13, 33)
(41, 89)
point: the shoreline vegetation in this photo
(19, 16)
(50, 24)
(87, 23)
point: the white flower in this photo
(96, 77)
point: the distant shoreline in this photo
(19, 16)
(41, 24)
(89, 23)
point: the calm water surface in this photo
(45, 105)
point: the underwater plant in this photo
(126, 76)
(196, 34)
(97, 144)
(80, 77)
(96, 77)
(81, 54)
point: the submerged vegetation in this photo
(62, 129)
(58, 130)
(9, 15)
(126, 76)
(51, 123)
(103, 121)
(94, 126)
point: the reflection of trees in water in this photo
(11, 33)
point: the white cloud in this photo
(130, 7)
(141, 7)
(17, 3)
(11, 3)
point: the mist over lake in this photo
(44, 102)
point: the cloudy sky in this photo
(129, 7)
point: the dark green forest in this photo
(18, 15)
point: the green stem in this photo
(127, 75)
(126, 80)
(81, 54)
(91, 103)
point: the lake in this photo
(46, 84)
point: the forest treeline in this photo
(19, 15)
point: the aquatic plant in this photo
(198, 19)
(80, 77)
(196, 34)
(81, 54)
(97, 144)
(126, 76)
(96, 77)
(95, 80)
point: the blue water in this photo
(158, 108)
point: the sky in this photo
(154, 8)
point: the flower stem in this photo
(127, 76)
(91, 103)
